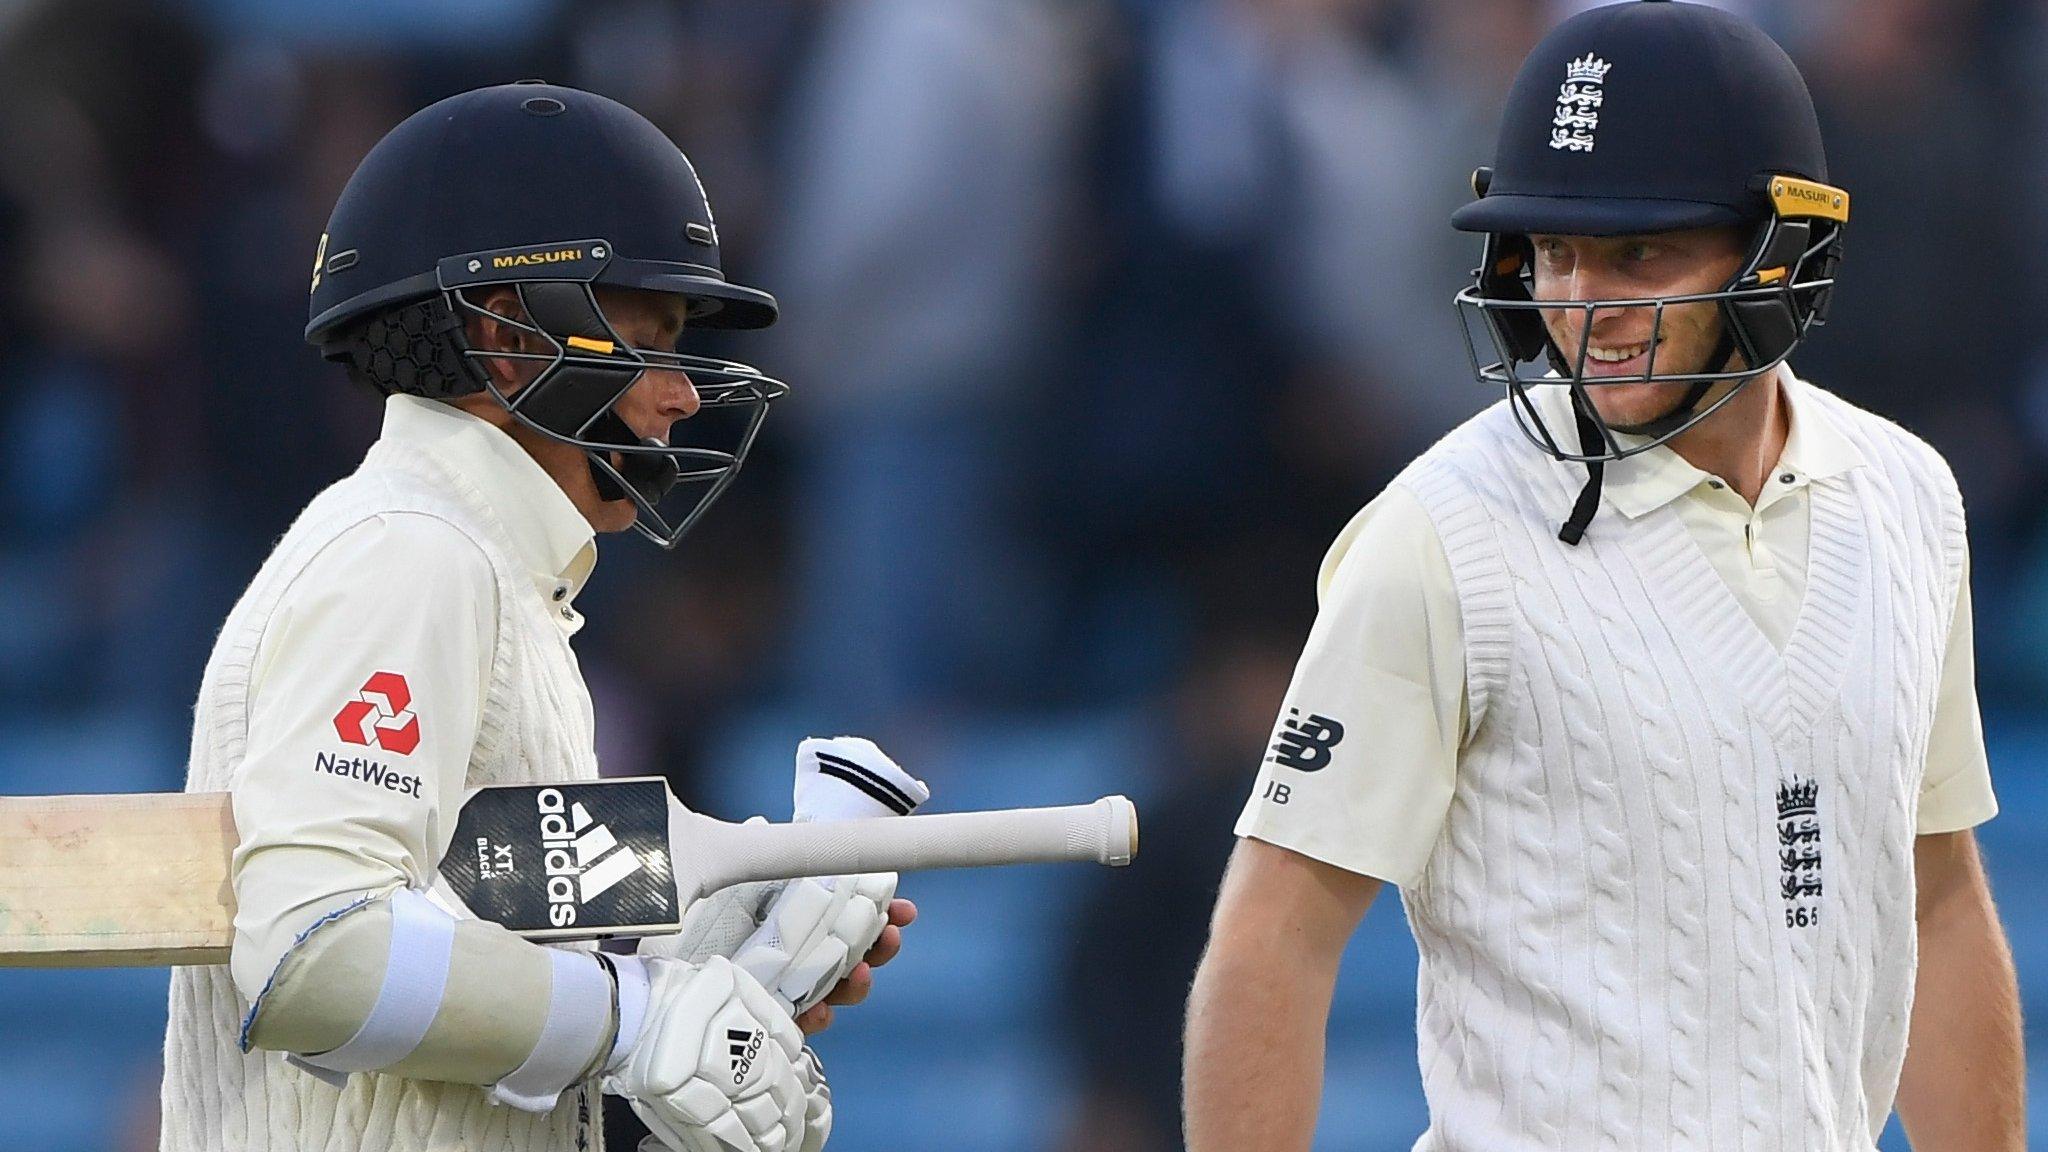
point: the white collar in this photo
(551, 537)
(1814, 448)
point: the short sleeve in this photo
(1956, 791)
(363, 711)
(1363, 757)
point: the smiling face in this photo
(1633, 268)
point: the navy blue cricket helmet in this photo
(550, 192)
(1643, 117)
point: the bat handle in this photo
(711, 854)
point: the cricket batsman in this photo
(1650, 687)
(510, 270)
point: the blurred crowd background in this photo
(1102, 317)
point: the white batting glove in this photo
(816, 932)
(817, 1107)
(718, 924)
(818, 929)
(849, 778)
(800, 938)
(717, 1066)
(810, 1072)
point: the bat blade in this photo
(130, 880)
(567, 861)
(142, 879)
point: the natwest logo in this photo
(381, 716)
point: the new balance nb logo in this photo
(1304, 744)
(581, 857)
(744, 1046)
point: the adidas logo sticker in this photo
(581, 857)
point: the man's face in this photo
(651, 407)
(1637, 267)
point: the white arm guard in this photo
(415, 978)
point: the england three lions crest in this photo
(1578, 104)
(1799, 851)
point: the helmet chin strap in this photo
(1573, 529)
(651, 475)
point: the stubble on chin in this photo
(1625, 405)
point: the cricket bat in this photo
(141, 879)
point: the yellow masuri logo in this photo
(523, 259)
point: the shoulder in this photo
(1390, 540)
(1900, 457)
(1914, 487)
(1482, 475)
(387, 516)
(390, 559)
(410, 540)
(1487, 459)
(1483, 434)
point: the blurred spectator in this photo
(1933, 324)
(105, 454)
(1140, 934)
(1924, 142)
(932, 150)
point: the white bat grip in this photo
(711, 854)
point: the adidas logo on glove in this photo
(744, 1046)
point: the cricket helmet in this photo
(551, 192)
(1643, 117)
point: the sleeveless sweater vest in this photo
(1673, 902)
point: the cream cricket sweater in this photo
(1672, 904)
(533, 722)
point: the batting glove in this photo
(801, 938)
(718, 1066)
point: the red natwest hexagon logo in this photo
(381, 716)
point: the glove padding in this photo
(798, 938)
(816, 932)
(718, 1066)
(810, 1072)
(817, 1108)
(719, 924)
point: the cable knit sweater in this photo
(1672, 905)
(535, 725)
